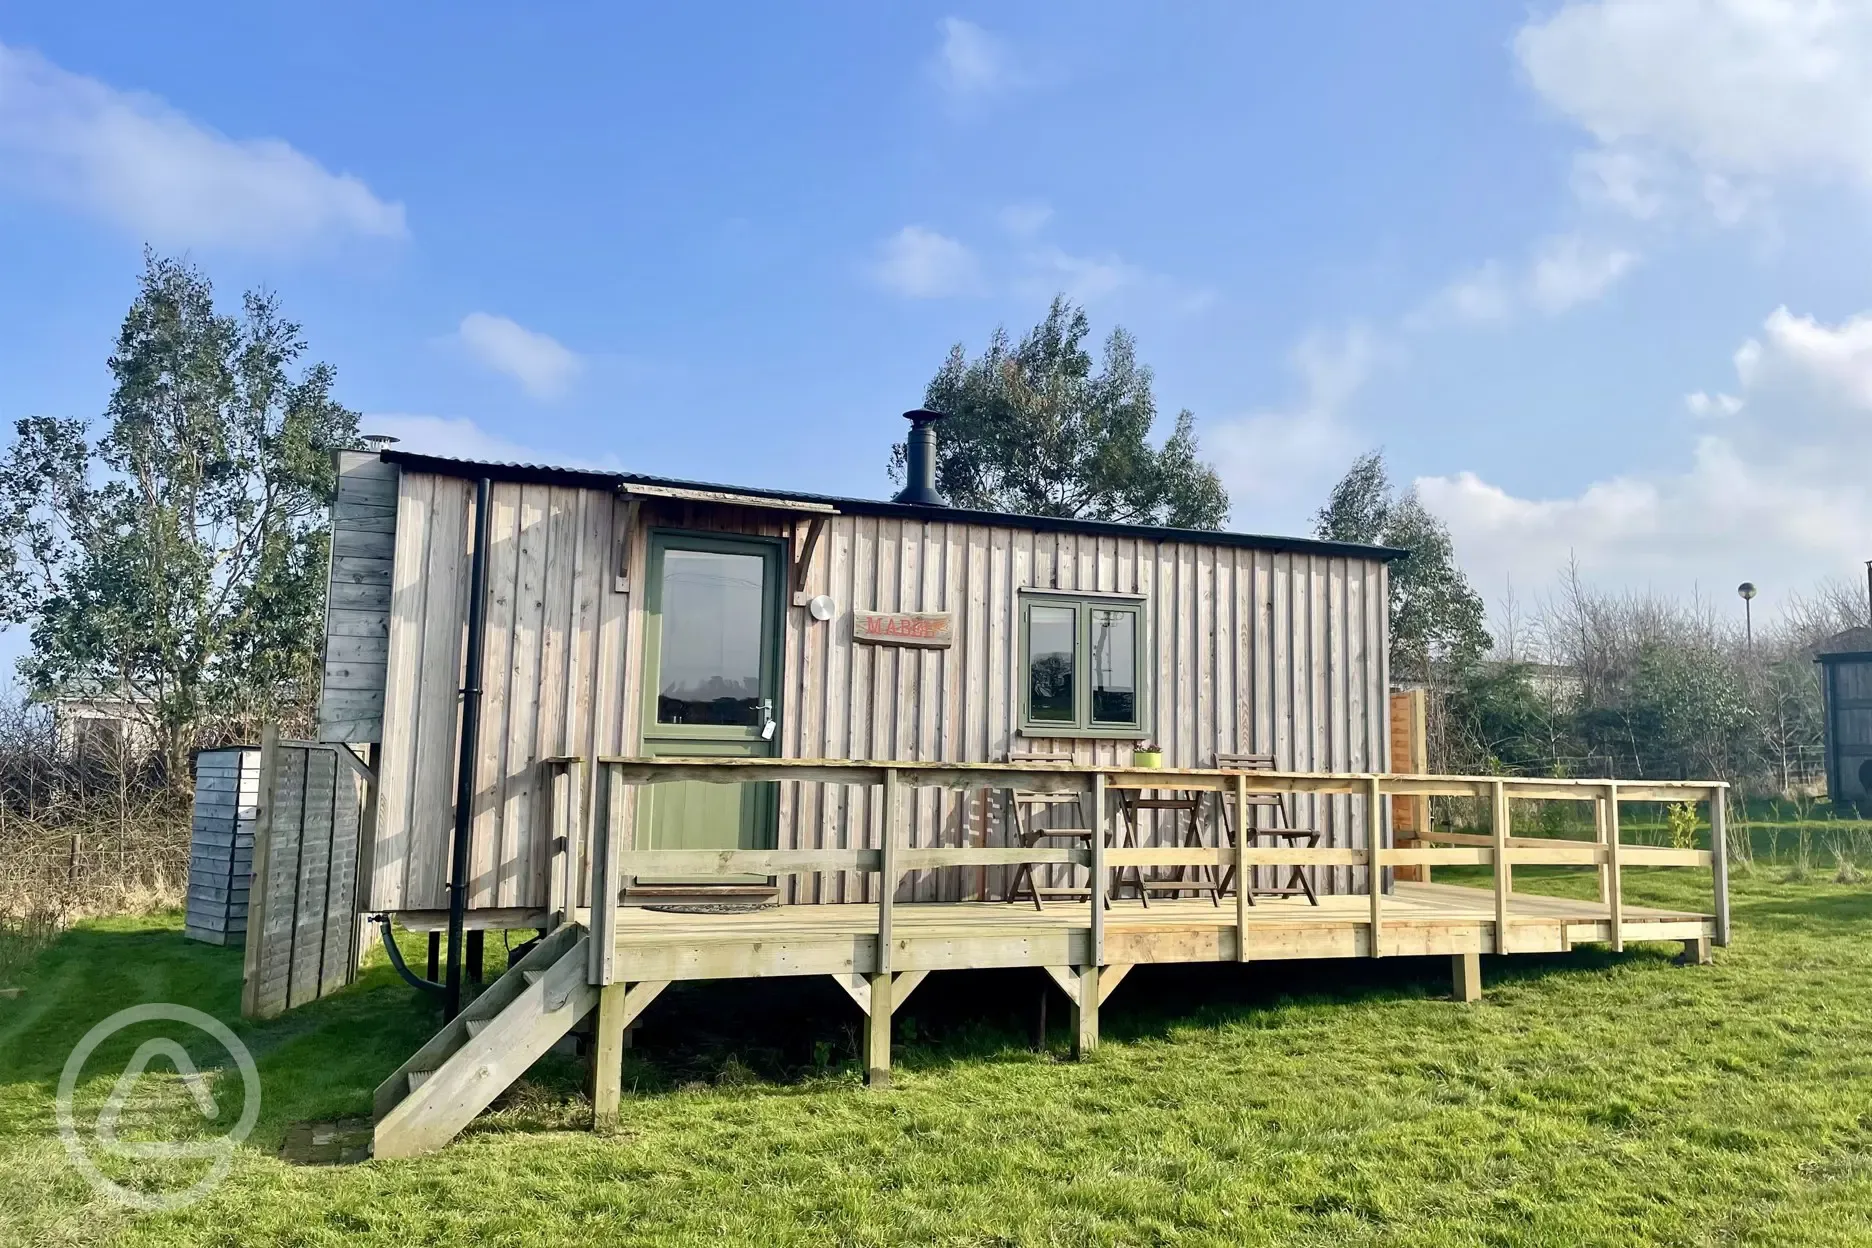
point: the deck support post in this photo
(608, 1057)
(1696, 952)
(1466, 976)
(1085, 1012)
(1244, 885)
(877, 1031)
(1719, 859)
(1101, 886)
(1615, 880)
(1504, 872)
(1374, 872)
(619, 1005)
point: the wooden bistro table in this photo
(1185, 806)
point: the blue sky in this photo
(1592, 274)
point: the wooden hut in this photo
(1845, 661)
(628, 615)
(691, 731)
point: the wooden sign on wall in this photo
(903, 628)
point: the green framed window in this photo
(1083, 663)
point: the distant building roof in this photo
(1854, 641)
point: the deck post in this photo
(1085, 1012)
(1466, 976)
(1242, 882)
(555, 842)
(1601, 826)
(608, 1057)
(1504, 873)
(1719, 860)
(887, 878)
(1615, 880)
(1099, 887)
(877, 1031)
(606, 877)
(1374, 873)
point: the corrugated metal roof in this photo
(595, 479)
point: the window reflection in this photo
(1050, 664)
(709, 657)
(1114, 667)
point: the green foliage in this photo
(1436, 617)
(178, 556)
(1681, 819)
(1034, 430)
(1501, 722)
(1680, 712)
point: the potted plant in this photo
(1146, 755)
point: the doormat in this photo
(709, 907)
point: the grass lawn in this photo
(1589, 1099)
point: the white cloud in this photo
(1277, 462)
(1565, 270)
(1708, 101)
(460, 438)
(540, 364)
(972, 64)
(1715, 405)
(134, 161)
(923, 264)
(1481, 296)
(1087, 279)
(1025, 220)
(1772, 488)
(1571, 270)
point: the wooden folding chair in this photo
(1248, 824)
(1188, 878)
(1028, 809)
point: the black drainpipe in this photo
(470, 745)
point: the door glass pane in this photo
(1050, 664)
(710, 653)
(1114, 667)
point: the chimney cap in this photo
(378, 441)
(923, 415)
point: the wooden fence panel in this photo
(302, 935)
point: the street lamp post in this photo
(1747, 590)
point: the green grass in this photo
(1589, 1099)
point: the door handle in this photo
(767, 719)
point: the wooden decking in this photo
(1420, 920)
(616, 957)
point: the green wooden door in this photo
(711, 687)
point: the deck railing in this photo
(598, 809)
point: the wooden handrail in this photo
(1499, 851)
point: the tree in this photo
(1032, 429)
(178, 559)
(1436, 617)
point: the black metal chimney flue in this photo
(920, 460)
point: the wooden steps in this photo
(428, 1100)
